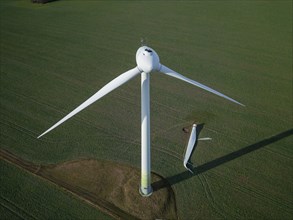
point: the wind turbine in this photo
(147, 61)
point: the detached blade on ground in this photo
(118, 81)
(174, 74)
(205, 139)
(190, 146)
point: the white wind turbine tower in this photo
(147, 61)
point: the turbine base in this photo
(146, 192)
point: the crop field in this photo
(54, 56)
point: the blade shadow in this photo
(172, 180)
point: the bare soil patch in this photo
(117, 184)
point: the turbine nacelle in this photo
(147, 59)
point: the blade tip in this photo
(41, 135)
(239, 103)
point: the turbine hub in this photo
(147, 59)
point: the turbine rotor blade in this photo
(115, 83)
(174, 74)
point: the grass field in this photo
(54, 56)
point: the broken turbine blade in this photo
(190, 146)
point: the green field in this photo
(54, 56)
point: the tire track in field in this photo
(169, 152)
(235, 216)
(205, 185)
(285, 205)
(15, 209)
(12, 211)
(209, 196)
(203, 181)
(256, 192)
(211, 200)
(263, 197)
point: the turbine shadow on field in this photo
(219, 161)
(43, 1)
